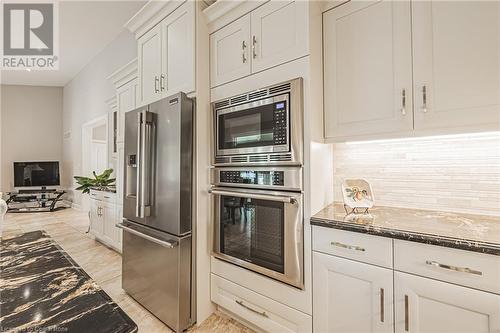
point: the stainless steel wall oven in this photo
(258, 227)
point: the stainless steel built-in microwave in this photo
(262, 126)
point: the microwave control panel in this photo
(273, 178)
(280, 123)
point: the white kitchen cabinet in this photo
(270, 35)
(166, 56)
(149, 65)
(371, 48)
(103, 218)
(456, 58)
(423, 305)
(367, 69)
(350, 296)
(120, 162)
(126, 102)
(96, 219)
(178, 51)
(279, 33)
(230, 52)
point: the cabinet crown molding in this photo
(150, 15)
(112, 102)
(124, 74)
(223, 12)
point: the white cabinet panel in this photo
(109, 228)
(427, 306)
(96, 221)
(149, 65)
(279, 33)
(178, 50)
(349, 296)
(230, 52)
(456, 52)
(126, 102)
(367, 69)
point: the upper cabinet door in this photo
(279, 33)
(349, 296)
(178, 51)
(367, 69)
(456, 52)
(426, 306)
(230, 52)
(149, 64)
(126, 102)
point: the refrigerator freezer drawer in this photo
(157, 273)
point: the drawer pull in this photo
(263, 313)
(454, 268)
(350, 247)
(382, 305)
(407, 315)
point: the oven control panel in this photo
(269, 178)
(280, 123)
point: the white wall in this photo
(31, 127)
(84, 100)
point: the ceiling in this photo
(85, 28)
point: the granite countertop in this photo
(476, 233)
(43, 290)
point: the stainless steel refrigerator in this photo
(157, 209)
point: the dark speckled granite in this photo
(43, 290)
(461, 231)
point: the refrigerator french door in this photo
(157, 209)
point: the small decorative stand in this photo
(357, 195)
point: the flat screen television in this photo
(36, 174)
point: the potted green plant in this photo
(99, 182)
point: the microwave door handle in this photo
(138, 210)
(271, 197)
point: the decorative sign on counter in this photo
(357, 195)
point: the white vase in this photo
(3, 207)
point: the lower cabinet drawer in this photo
(263, 312)
(466, 268)
(370, 249)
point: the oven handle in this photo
(250, 195)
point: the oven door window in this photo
(253, 230)
(248, 128)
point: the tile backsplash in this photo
(450, 173)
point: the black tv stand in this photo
(42, 200)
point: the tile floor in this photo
(68, 228)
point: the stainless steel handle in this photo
(162, 82)
(156, 84)
(166, 244)
(453, 268)
(382, 309)
(263, 313)
(139, 166)
(403, 102)
(346, 246)
(146, 157)
(407, 314)
(254, 43)
(243, 48)
(424, 99)
(251, 195)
